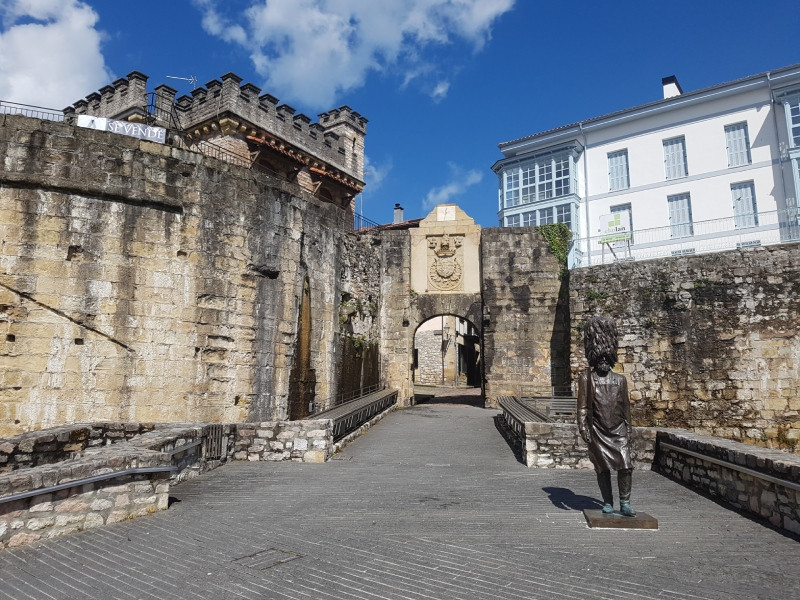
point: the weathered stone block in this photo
(22, 539)
(314, 456)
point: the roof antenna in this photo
(191, 79)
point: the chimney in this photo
(671, 86)
(398, 214)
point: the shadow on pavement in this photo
(513, 441)
(463, 400)
(566, 499)
(448, 395)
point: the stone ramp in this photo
(430, 503)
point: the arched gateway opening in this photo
(447, 353)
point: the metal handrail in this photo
(29, 110)
(759, 229)
(361, 222)
(540, 391)
(86, 480)
(340, 399)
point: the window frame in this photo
(743, 219)
(738, 157)
(791, 106)
(676, 164)
(538, 179)
(618, 170)
(681, 229)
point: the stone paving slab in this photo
(431, 503)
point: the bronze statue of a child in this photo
(604, 413)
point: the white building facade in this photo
(710, 170)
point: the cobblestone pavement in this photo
(429, 504)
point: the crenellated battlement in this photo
(126, 98)
(226, 107)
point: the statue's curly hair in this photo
(600, 340)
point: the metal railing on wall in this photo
(699, 237)
(542, 391)
(28, 110)
(361, 222)
(339, 399)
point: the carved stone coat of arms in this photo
(445, 265)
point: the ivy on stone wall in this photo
(558, 237)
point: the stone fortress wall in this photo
(141, 282)
(709, 343)
(526, 315)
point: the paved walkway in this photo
(429, 504)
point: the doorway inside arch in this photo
(447, 355)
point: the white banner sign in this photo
(138, 130)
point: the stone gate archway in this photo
(505, 281)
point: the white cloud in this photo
(459, 182)
(314, 50)
(439, 92)
(50, 52)
(375, 173)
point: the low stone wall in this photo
(55, 444)
(187, 446)
(300, 441)
(142, 488)
(755, 480)
(74, 477)
(560, 446)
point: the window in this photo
(528, 184)
(625, 208)
(680, 215)
(512, 221)
(545, 180)
(529, 218)
(542, 178)
(618, 171)
(745, 212)
(561, 164)
(793, 115)
(546, 216)
(512, 188)
(564, 214)
(675, 158)
(738, 144)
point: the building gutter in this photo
(586, 189)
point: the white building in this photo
(709, 170)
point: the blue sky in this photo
(442, 82)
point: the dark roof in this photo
(411, 224)
(646, 105)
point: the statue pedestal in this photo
(597, 519)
